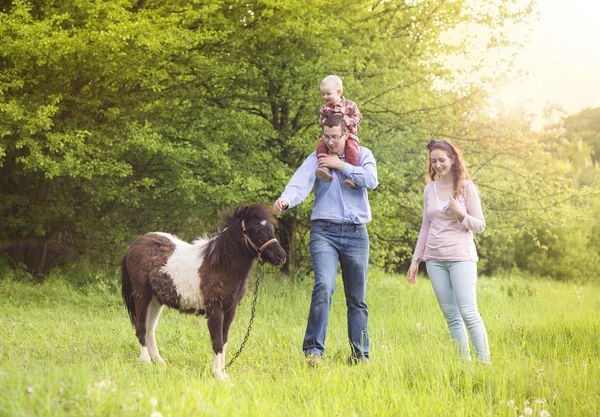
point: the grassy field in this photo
(69, 350)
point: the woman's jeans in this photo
(454, 284)
(348, 244)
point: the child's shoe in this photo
(323, 174)
(349, 183)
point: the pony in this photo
(208, 277)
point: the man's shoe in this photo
(323, 174)
(349, 183)
(354, 360)
(313, 359)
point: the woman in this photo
(452, 212)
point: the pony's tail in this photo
(127, 290)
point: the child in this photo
(331, 91)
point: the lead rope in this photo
(251, 319)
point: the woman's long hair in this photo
(459, 172)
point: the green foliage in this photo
(121, 117)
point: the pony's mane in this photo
(224, 247)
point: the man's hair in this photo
(334, 80)
(335, 119)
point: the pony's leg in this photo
(228, 319)
(154, 310)
(215, 328)
(142, 301)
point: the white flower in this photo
(540, 400)
(526, 402)
(528, 411)
(29, 390)
(418, 325)
(544, 413)
(156, 414)
(153, 402)
(511, 403)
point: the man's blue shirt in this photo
(333, 200)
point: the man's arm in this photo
(300, 185)
(364, 175)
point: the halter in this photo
(258, 250)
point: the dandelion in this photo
(540, 400)
(154, 402)
(526, 402)
(29, 390)
(544, 413)
(418, 325)
(528, 411)
(511, 403)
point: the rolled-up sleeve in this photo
(364, 175)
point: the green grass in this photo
(70, 351)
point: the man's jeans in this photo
(348, 244)
(454, 284)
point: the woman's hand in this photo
(456, 209)
(411, 275)
(331, 161)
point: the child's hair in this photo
(335, 80)
(334, 120)
(459, 172)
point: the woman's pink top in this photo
(442, 236)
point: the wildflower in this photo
(528, 411)
(511, 403)
(544, 413)
(29, 390)
(153, 402)
(540, 400)
(526, 402)
(156, 414)
(418, 325)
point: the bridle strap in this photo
(259, 250)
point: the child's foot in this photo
(323, 174)
(349, 183)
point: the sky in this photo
(561, 58)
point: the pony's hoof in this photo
(220, 375)
(160, 361)
(144, 356)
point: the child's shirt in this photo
(348, 109)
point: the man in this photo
(338, 233)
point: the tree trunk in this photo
(287, 231)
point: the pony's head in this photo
(256, 223)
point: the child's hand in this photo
(348, 121)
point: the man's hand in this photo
(280, 205)
(330, 161)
